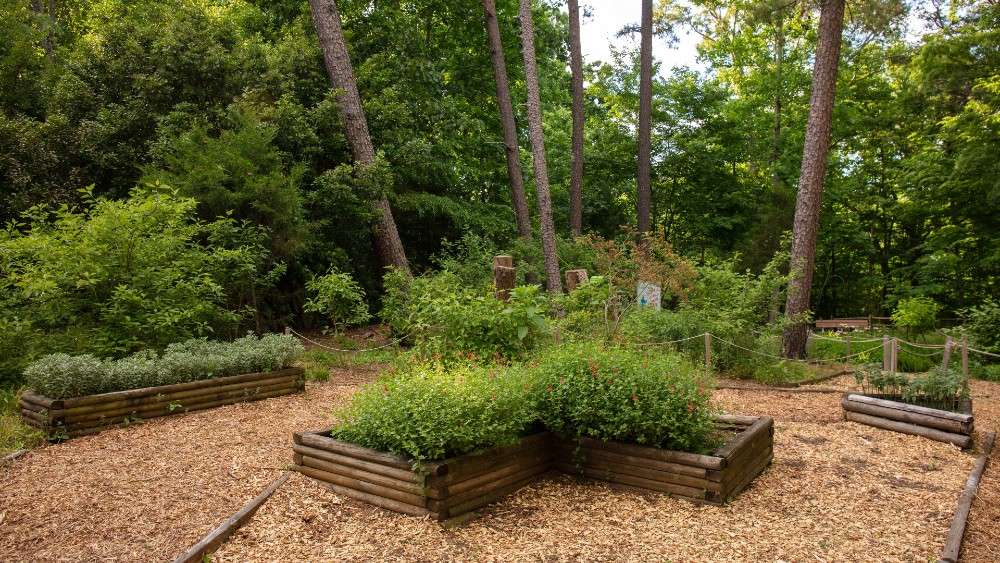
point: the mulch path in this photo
(836, 491)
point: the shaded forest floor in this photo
(836, 490)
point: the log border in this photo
(450, 489)
(61, 419)
(935, 424)
(956, 534)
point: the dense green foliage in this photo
(444, 317)
(916, 315)
(427, 412)
(338, 298)
(228, 103)
(611, 393)
(120, 276)
(60, 376)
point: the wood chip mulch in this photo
(836, 491)
(982, 534)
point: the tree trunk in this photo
(576, 176)
(517, 197)
(338, 66)
(643, 181)
(779, 59)
(50, 14)
(552, 281)
(814, 162)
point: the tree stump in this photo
(575, 278)
(504, 276)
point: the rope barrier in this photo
(332, 349)
(702, 335)
(772, 356)
(985, 353)
(841, 340)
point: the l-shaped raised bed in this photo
(79, 416)
(454, 487)
(950, 426)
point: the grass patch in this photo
(15, 434)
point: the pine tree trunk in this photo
(643, 181)
(517, 197)
(548, 230)
(576, 175)
(814, 162)
(779, 60)
(326, 18)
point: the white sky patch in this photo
(607, 17)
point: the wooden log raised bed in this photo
(714, 478)
(441, 490)
(79, 416)
(454, 487)
(936, 424)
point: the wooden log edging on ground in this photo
(450, 489)
(935, 424)
(80, 416)
(220, 534)
(953, 545)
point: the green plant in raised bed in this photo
(59, 376)
(428, 412)
(939, 387)
(612, 393)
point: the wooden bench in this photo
(842, 324)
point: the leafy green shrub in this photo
(983, 324)
(444, 317)
(916, 315)
(339, 298)
(781, 372)
(612, 393)
(60, 376)
(646, 325)
(428, 413)
(118, 277)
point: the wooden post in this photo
(708, 352)
(504, 276)
(895, 356)
(848, 346)
(574, 278)
(288, 330)
(965, 356)
(947, 353)
(886, 353)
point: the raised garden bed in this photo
(454, 487)
(79, 416)
(952, 426)
(714, 478)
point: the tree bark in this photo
(548, 230)
(779, 59)
(576, 175)
(814, 162)
(643, 181)
(326, 18)
(517, 197)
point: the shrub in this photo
(781, 372)
(60, 376)
(339, 298)
(444, 317)
(916, 315)
(612, 393)
(990, 372)
(118, 277)
(983, 324)
(428, 413)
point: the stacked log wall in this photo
(79, 416)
